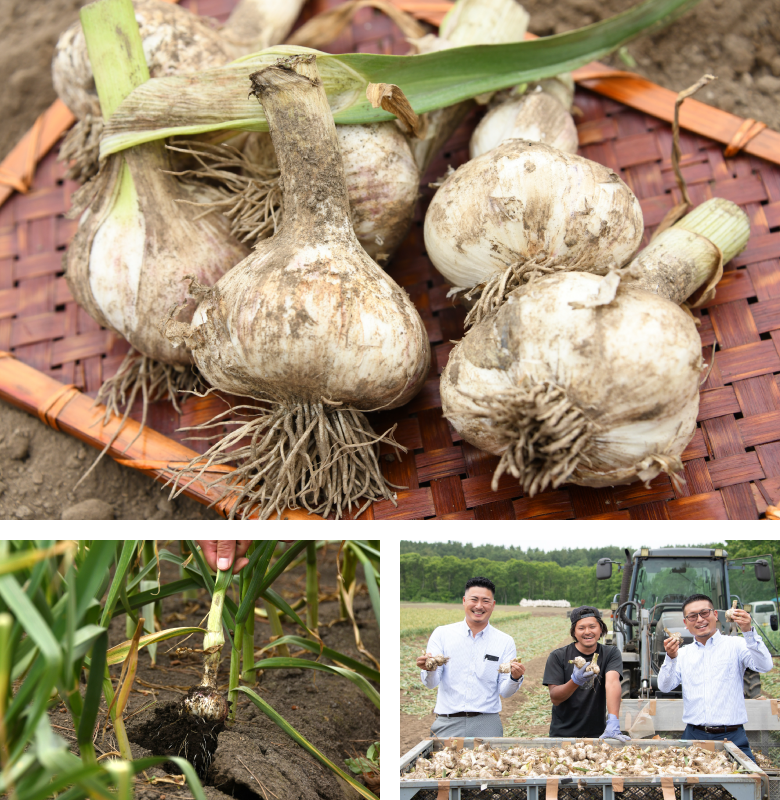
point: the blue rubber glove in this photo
(612, 731)
(580, 677)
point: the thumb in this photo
(226, 552)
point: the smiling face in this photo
(702, 629)
(478, 603)
(587, 632)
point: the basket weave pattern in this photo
(737, 442)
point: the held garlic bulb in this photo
(677, 637)
(578, 378)
(433, 662)
(536, 117)
(507, 666)
(525, 209)
(730, 611)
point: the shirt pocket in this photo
(487, 671)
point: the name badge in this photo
(491, 658)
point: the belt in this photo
(462, 714)
(717, 728)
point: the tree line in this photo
(442, 578)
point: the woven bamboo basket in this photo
(54, 357)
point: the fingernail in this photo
(223, 563)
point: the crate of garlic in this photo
(582, 769)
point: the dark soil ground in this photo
(254, 759)
(738, 42)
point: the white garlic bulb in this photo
(576, 378)
(528, 208)
(382, 183)
(536, 117)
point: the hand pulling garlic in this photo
(577, 378)
(309, 324)
(507, 666)
(730, 611)
(677, 637)
(526, 209)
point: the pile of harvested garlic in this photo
(572, 758)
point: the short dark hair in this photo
(695, 598)
(485, 583)
(604, 628)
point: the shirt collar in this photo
(715, 636)
(467, 630)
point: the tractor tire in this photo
(751, 684)
(625, 687)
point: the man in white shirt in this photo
(469, 684)
(711, 670)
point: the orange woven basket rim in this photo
(67, 409)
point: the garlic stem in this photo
(117, 70)
(215, 637)
(688, 255)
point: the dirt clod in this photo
(89, 509)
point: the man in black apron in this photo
(584, 702)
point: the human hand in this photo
(580, 677)
(221, 553)
(421, 662)
(742, 619)
(517, 670)
(671, 645)
(612, 731)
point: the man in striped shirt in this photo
(711, 670)
(469, 684)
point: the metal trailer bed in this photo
(753, 786)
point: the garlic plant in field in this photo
(588, 379)
(527, 209)
(382, 183)
(175, 41)
(134, 243)
(579, 759)
(309, 324)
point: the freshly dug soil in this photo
(738, 42)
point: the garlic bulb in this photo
(730, 611)
(433, 662)
(578, 378)
(535, 116)
(677, 637)
(382, 183)
(174, 41)
(578, 662)
(507, 666)
(525, 209)
(309, 324)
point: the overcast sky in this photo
(560, 544)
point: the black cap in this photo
(581, 612)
